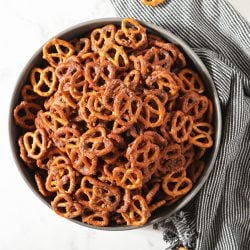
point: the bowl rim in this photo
(194, 58)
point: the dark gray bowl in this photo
(86, 27)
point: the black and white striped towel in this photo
(220, 213)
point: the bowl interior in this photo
(193, 60)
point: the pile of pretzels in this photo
(114, 125)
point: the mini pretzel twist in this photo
(194, 104)
(127, 178)
(102, 37)
(190, 81)
(29, 95)
(104, 197)
(202, 137)
(94, 143)
(35, 143)
(44, 81)
(66, 137)
(137, 213)
(152, 114)
(64, 206)
(57, 51)
(81, 45)
(61, 178)
(131, 34)
(166, 81)
(127, 109)
(175, 184)
(181, 126)
(25, 114)
(142, 151)
(97, 74)
(172, 159)
(81, 163)
(51, 121)
(40, 182)
(98, 219)
(116, 55)
(24, 154)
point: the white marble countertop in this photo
(25, 223)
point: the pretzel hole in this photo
(90, 144)
(100, 146)
(183, 185)
(140, 158)
(62, 207)
(37, 150)
(21, 112)
(121, 61)
(44, 88)
(65, 49)
(201, 106)
(180, 133)
(97, 36)
(161, 56)
(197, 85)
(100, 82)
(29, 122)
(108, 34)
(186, 86)
(52, 50)
(112, 52)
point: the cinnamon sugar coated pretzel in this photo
(115, 125)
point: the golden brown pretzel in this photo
(194, 104)
(94, 143)
(61, 178)
(116, 55)
(102, 37)
(190, 81)
(66, 137)
(152, 114)
(25, 114)
(97, 74)
(51, 121)
(29, 95)
(127, 178)
(57, 51)
(156, 59)
(127, 109)
(131, 34)
(175, 184)
(92, 109)
(172, 159)
(181, 126)
(166, 81)
(44, 81)
(81, 163)
(138, 212)
(82, 44)
(35, 143)
(64, 206)
(143, 151)
(98, 219)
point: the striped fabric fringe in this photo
(221, 37)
